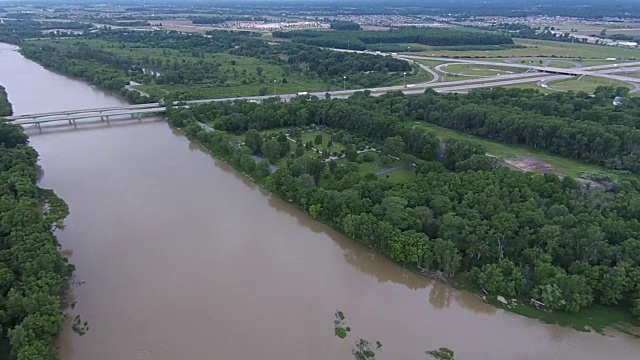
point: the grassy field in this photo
(566, 166)
(587, 84)
(543, 48)
(431, 63)
(531, 85)
(326, 137)
(595, 26)
(474, 70)
(381, 162)
(560, 64)
(401, 175)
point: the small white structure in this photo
(617, 101)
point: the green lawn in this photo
(566, 166)
(531, 85)
(635, 75)
(326, 137)
(401, 175)
(597, 62)
(397, 176)
(431, 63)
(475, 70)
(587, 84)
(560, 64)
(543, 48)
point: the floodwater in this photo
(180, 257)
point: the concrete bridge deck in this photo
(87, 114)
(80, 111)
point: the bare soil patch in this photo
(531, 163)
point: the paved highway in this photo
(587, 70)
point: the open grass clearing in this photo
(587, 84)
(543, 48)
(310, 136)
(560, 64)
(563, 165)
(401, 175)
(477, 70)
(373, 162)
(431, 63)
(530, 85)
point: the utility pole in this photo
(275, 89)
(404, 79)
(344, 83)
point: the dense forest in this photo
(361, 40)
(5, 105)
(366, 70)
(345, 26)
(574, 125)
(33, 273)
(512, 233)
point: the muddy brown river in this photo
(180, 257)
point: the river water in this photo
(180, 257)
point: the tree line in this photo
(215, 41)
(345, 26)
(512, 233)
(5, 105)
(33, 273)
(15, 31)
(528, 32)
(362, 40)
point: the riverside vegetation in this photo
(33, 273)
(521, 235)
(5, 105)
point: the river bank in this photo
(34, 272)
